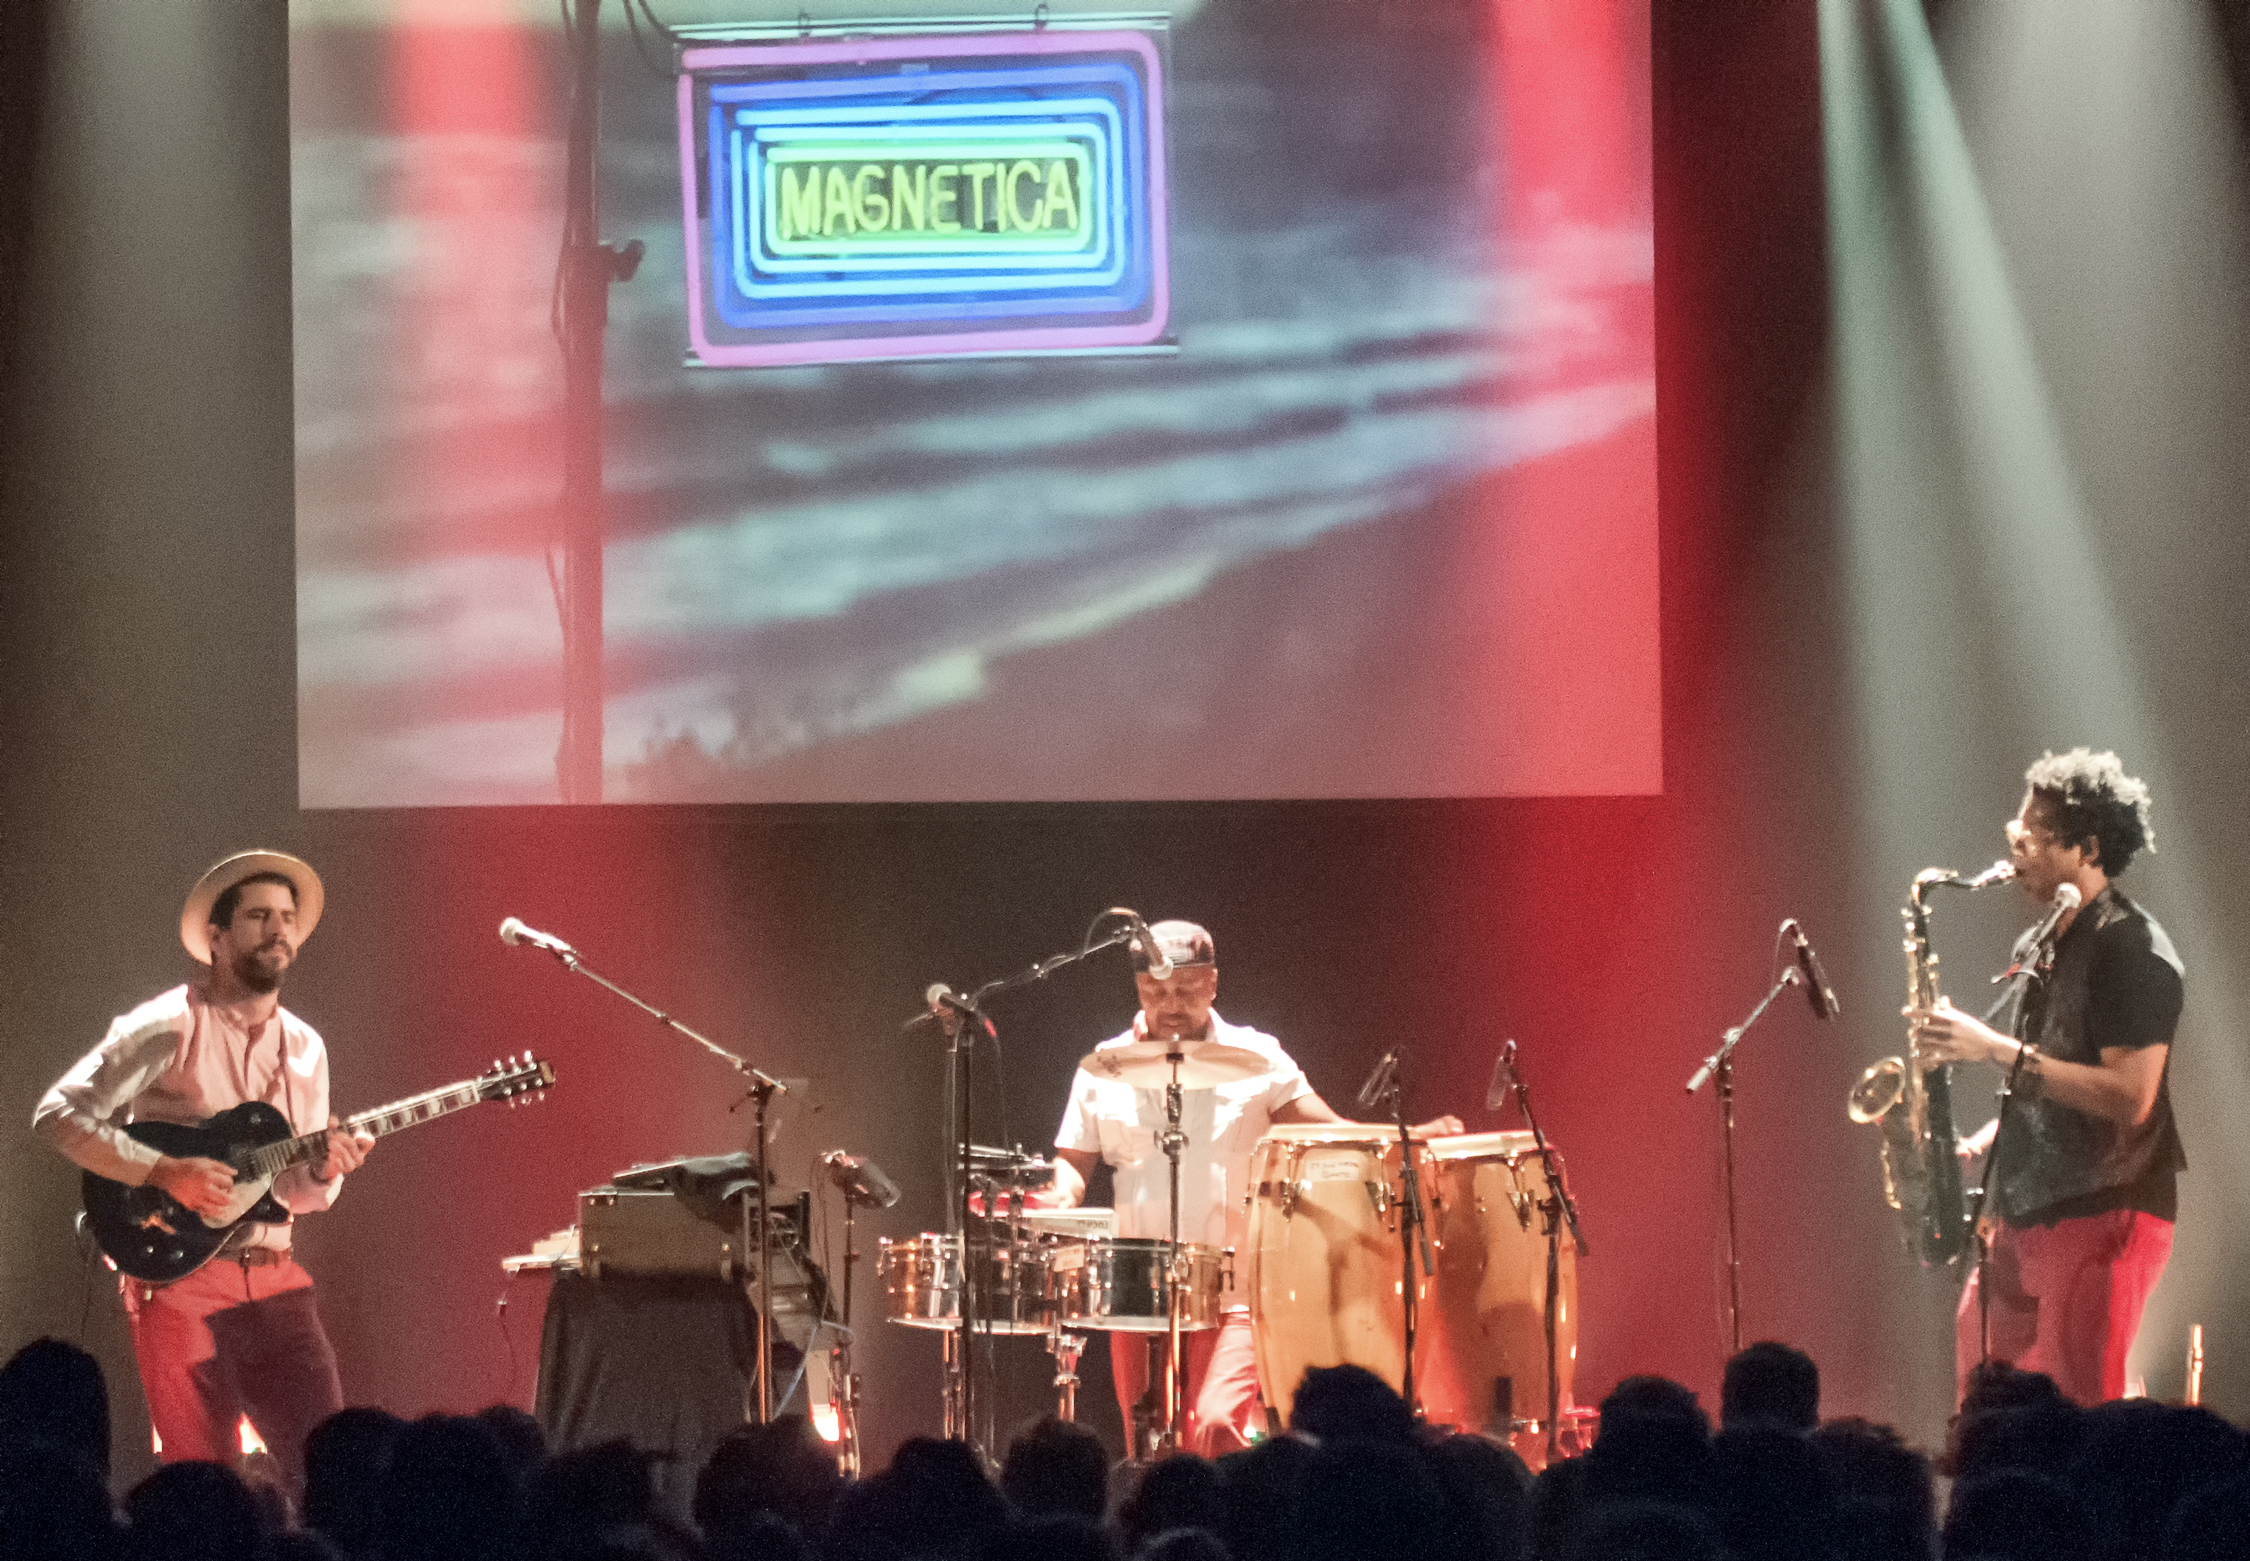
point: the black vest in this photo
(2115, 982)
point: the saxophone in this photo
(1914, 1104)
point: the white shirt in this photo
(1222, 1124)
(176, 1058)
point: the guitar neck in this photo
(273, 1159)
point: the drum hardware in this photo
(1070, 1222)
(757, 1226)
(1016, 1168)
(1173, 1141)
(1125, 1284)
(1065, 1347)
(926, 1284)
(1323, 1278)
(1720, 1065)
(963, 1019)
(1557, 1210)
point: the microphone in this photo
(861, 1178)
(2065, 901)
(1380, 1081)
(513, 932)
(1503, 1078)
(940, 997)
(1142, 939)
(1817, 990)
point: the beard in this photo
(257, 970)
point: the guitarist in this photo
(240, 1335)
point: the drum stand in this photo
(1066, 1347)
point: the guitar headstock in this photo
(515, 1078)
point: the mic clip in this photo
(1503, 1079)
(1383, 1082)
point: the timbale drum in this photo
(1121, 1284)
(922, 1282)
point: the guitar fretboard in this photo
(273, 1159)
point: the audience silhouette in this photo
(1356, 1478)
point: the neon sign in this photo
(905, 196)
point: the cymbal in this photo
(1148, 1064)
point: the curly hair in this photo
(2090, 798)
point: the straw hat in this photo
(195, 916)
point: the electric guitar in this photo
(145, 1232)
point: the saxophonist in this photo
(2083, 1181)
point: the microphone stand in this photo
(1413, 1226)
(1556, 1210)
(1175, 1264)
(963, 1017)
(849, 1430)
(1721, 1064)
(764, 1087)
(2015, 985)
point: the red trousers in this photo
(233, 1340)
(1221, 1387)
(2067, 1299)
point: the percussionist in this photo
(1120, 1122)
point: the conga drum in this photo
(1481, 1363)
(1322, 1265)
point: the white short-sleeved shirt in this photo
(1223, 1124)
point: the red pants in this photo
(1221, 1389)
(229, 1341)
(2067, 1299)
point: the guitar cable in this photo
(88, 1255)
(500, 1316)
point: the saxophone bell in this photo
(1878, 1089)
